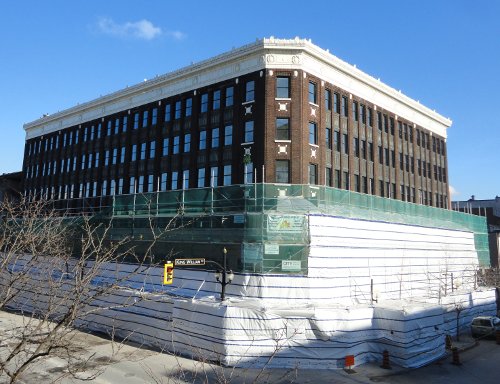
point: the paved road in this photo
(480, 364)
(125, 364)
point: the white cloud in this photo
(142, 29)
(453, 191)
(177, 35)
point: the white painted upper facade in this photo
(294, 54)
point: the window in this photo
(216, 100)
(345, 143)
(227, 175)
(248, 132)
(346, 180)
(136, 121)
(152, 149)
(154, 116)
(189, 107)
(407, 163)
(248, 173)
(283, 87)
(117, 126)
(356, 147)
(370, 151)
(140, 186)
(120, 186)
(84, 137)
(345, 108)
(168, 113)
(132, 186)
(201, 177)
(112, 187)
(336, 140)
(369, 117)
(401, 163)
(386, 124)
(204, 103)
(357, 186)
(175, 176)
(134, 153)
(187, 142)
(88, 166)
(313, 174)
(328, 100)
(386, 154)
(229, 96)
(122, 155)
(175, 149)
(328, 176)
(163, 181)
(228, 135)
(363, 149)
(124, 125)
(337, 178)
(364, 184)
(312, 93)
(362, 113)
(165, 146)
(203, 140)
(393, 158)
(214, 175)
(328, 138)
(215, 137)
(177, 113)
(313, 133)
(250, 91)
(83, 162)
(400, 129)
(355, 110)
(143, 151)
(380, 154)
(282, 171)
(336, 103)
(282, 129)
(185, 179)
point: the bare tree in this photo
(51, 270)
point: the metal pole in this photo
(223, 277)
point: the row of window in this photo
(363, 184)
(360, 112)
(146, 150)
(142, 119)
(144, 183)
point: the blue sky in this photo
(446, 54)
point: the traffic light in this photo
(168, 276)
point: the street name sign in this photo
(189, 262)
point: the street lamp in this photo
(224, 277)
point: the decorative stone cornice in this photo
(293, 54)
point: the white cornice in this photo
(295, 54)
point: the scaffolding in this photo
(263, 226)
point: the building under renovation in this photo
(327, 188)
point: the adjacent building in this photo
(276, 111)
(491, 210)
(10, 186)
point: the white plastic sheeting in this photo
(422, 278)
(258, 333)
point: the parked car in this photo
(483, 326)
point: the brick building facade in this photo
(279, 111)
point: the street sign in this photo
(189, 262)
